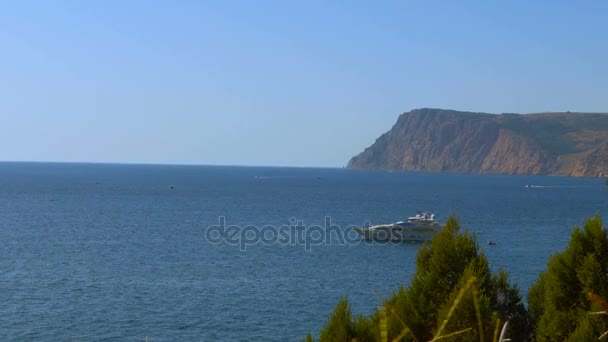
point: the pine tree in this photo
(444, 272)
(559, 302)
(339, 326)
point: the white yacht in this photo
(421, 227)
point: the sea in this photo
(107, 252)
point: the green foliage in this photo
(508, 302)
(452, 292)
(440, 267)
(584, 331)
(340, 324)
(308, 338)
(453, 295)
(364, 330)
(553, 132)
(558, 302)
(465, 315)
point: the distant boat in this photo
(421, 227)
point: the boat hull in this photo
(399, 233)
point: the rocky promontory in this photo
(438, 140)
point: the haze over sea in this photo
(111, 252)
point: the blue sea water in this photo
(119, 252)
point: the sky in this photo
(285, 83)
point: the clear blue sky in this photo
(300, 83)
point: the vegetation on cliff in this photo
(436, 140)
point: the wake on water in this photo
(552, 186)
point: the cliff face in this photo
(437, 140)
(514, 154)
(593, 164)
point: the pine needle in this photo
(404, 333)
(452, 334)
(478, 312)
(496, 327)
(453, 308)
(383, 328)
(406, 328)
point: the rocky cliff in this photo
(437, 140)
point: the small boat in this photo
(421, 227)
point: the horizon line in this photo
(164, 164)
